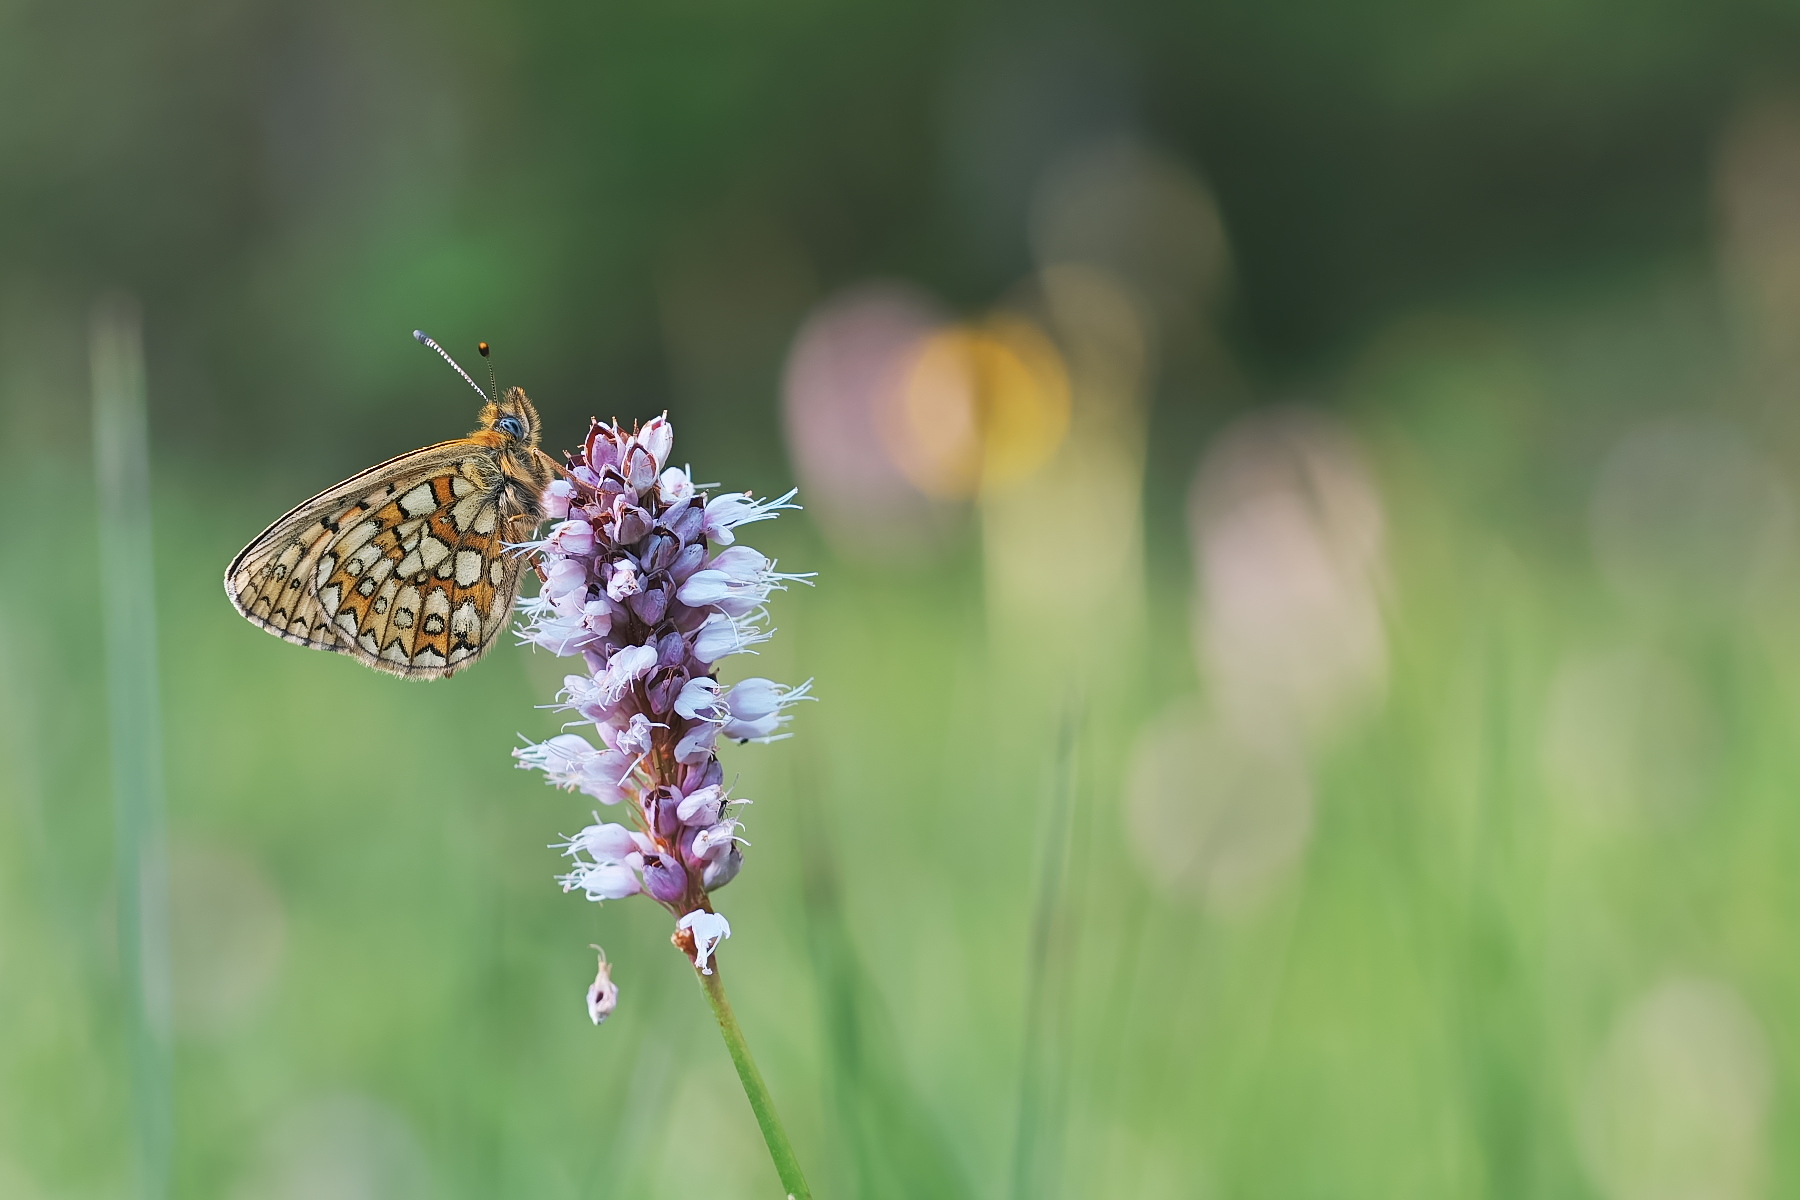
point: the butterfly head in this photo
(510, 423)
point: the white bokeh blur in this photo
(1214, 817)
(1675, 1105)
(1287, 531)
(1756, 197)
(228, 936)
(1628, 739)
(845, 376)
(343, 1146)
(1688, 514)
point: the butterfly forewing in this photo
(403, 567)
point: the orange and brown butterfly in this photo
(406, 566)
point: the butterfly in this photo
(405, 567)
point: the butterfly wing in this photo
(401, 567)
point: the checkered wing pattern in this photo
(402, 567)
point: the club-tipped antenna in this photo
(493, 382)
(424, 339)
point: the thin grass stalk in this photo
(1036, 1158)
(128, 617)
(781, 1151)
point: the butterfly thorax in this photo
(511, 426)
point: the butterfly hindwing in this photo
(402, 566)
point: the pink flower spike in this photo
(645, 587)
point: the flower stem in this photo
(761, 1103)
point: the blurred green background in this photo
(1303, 499)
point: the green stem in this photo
(761, 1103)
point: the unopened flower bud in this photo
(696, 745)
(652, 602)
(671, 649)
(626, 521)
(722, 870)
(661, 811)
(603, 993)
(658, 437)
(662, 686)
(659, 551)
(640, 470)
(664, 878)
(601, 450)
(709, 774)
(557, 497)
(690, 559)
(572, 537)
(690, 525)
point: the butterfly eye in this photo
(511, 426)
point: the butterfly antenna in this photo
(425, 339)
(492, 381)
